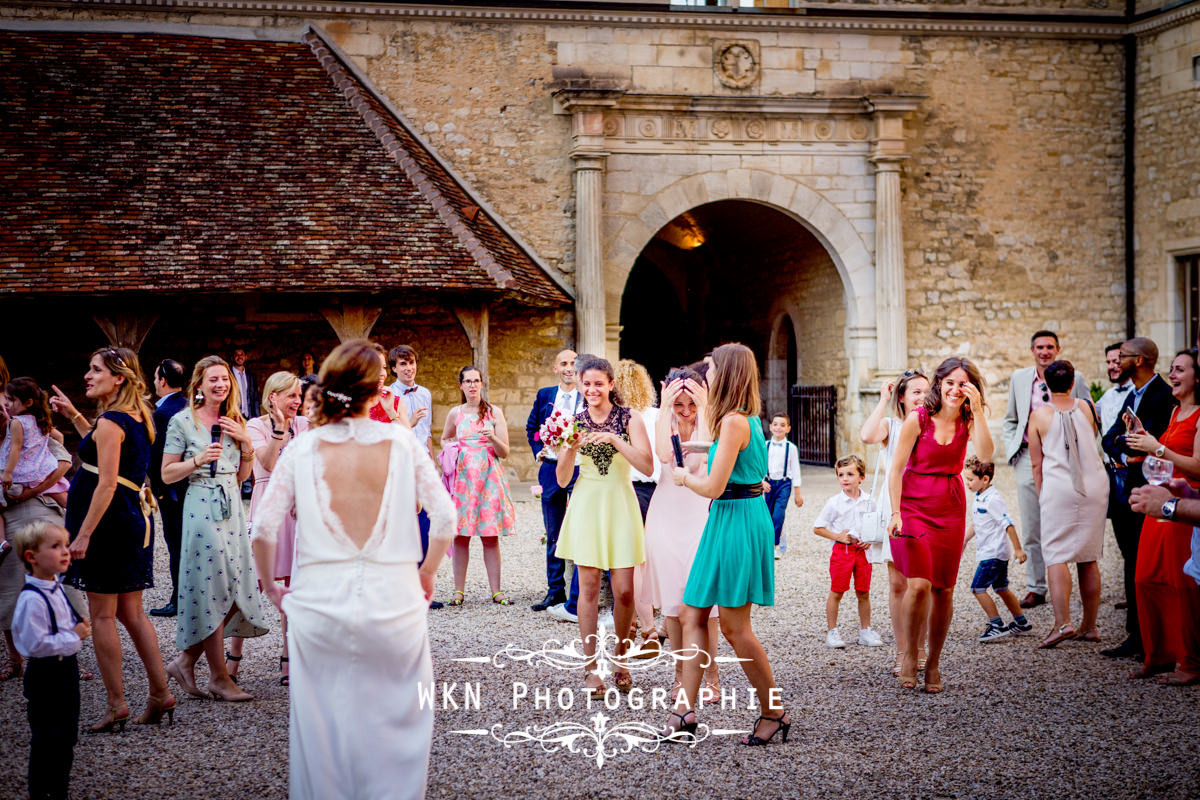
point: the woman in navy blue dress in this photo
(111, 537)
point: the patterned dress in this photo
(480, 491)
(216, 572)
(603, 526)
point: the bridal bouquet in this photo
(558, 431)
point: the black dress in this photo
(119, 557)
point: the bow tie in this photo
(411, 390)
(1123, 389)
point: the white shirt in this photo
(414, 397)
(989, 515)
(649, 418)
(1109, 404)
(568, 402)
(783, 456)
(239, 375)
(31, 623)
(844, 513)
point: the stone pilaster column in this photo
(590, 320)
(891, 312)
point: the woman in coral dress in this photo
(928, 524)
(1168, 607)
(480, 488)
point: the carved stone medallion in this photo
(736, 63)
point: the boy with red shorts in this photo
(841, 521)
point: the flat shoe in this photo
(1149, 672)
(1174, 679)
(1057, 637)
(1089, 636)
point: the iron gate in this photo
(813, 410)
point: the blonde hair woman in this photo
(270, 434)
(111, 541)
(634, 384)
(208, 445)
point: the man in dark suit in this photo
(248, 395)
(168, 385)
(1151, 402)
(565, 396)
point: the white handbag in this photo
(874, 526)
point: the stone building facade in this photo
(851, 193)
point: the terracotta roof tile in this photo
(183, 163)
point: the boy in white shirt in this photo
(48, 632)
(783, 476)
(995, 543)
(841, 521)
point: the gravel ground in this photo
(1014, 721)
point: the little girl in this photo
(25, 453)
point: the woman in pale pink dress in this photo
(676, 519)
(270, 434)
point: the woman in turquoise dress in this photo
(603, 526)
(734, 565)
(218, 592)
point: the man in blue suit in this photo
(168, 385)
(565, 397)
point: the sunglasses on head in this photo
(912, 373)
(115, 355)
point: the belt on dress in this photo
(936, 474)
(221, 495)
(145, 498)
(741, 491)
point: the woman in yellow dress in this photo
(603, 527)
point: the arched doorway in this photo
(733, 270)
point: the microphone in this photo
(216, 439)
(678, 448)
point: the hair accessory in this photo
(115, 355)
(344, 399)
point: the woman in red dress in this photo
(926, 486)
(1166, 595)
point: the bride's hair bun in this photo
(348, 380)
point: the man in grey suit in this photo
(1027, 391)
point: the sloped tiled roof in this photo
(158, 162)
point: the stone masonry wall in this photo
(1167, 188)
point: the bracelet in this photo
(195, 463)
(245, 457)
(276, 433)
(278, 438)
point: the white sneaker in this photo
(834, 639)
(607, 622)
(869, 638)
(560, 613)
(778, 554)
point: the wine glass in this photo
(1157, 470)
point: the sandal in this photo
(1177, 679)
(458, 600)
(896, 669)
(623, 681)
(783, 724)
(233, 676)
(1147, 672)
(1088, 636)
(597, 692)
(1057, 636)
(503, 601)
(650, 646)
(284, 680)
(680, 735)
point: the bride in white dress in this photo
(358, 600)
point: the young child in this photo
(783, 476)
(48, 633)
(840, 521)
(995, 543)
(25, 453)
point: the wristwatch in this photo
(1160, 451)
(1168, 508)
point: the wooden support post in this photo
(351, 320)
(125, 329)
(474, 323)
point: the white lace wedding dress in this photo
(357, 634)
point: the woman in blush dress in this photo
(1072, 485)
(901, 395)
(929, 506)
(357, 605)
(676, 520)
(270, 434)
(480, 488)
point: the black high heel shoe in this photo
(684, 727)
(756, 741)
